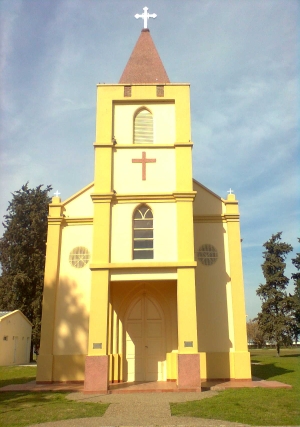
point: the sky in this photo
(240, 57)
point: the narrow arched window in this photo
(143, 128)
(143, 233)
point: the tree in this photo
(296, 277)
(276, 319)
(254, 334)
(22, 254)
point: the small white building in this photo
(15, 338)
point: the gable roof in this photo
(74, 196)
(5, 314)
(197, 183)
(144, 64)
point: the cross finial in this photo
(56, 194)
(145, 16)
(230, 191)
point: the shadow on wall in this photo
(72, 319)
(213, 294)
(70, 338)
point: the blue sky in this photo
(241, 60)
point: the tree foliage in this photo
(296, 277)
(22, 254)
(276, 319)
(254, 334)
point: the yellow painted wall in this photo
(80, 204)
(162, 113)
(68, 367)
(206, 202)
(218, 287)
(146, 273)
(211, 282)
(109, 94)
(73, 294)
(128, 175)
(53, 249)
(186, 309)
(15, 349)
(164, 223)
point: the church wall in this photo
(162, 113)
(73, 295)
(211, 289)
(80, 206)
(181, 92)
(213, 294)
(128, 176)
(68, 367)
(223, 353)
(206, 202)
(165, 237)
(165, 240)
(109, 94)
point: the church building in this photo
(143, 276)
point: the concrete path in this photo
(133, 405)
(144, 409)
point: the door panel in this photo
(145, 354)
(154, 329)
(151, 310)
(135, 343)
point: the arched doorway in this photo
(145, 341)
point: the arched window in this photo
(143, 128)
(143, 233)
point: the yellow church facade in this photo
(143, 276)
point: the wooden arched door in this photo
(145, 341)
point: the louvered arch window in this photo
(143, 127)
(143, 233)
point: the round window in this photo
(79, 257)
(207, 254)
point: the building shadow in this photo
(267, 371)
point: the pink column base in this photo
(189, 371)
(96, 374)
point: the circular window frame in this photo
(79, 257)
(207, 254)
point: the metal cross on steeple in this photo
(230, 191)
(145, 16)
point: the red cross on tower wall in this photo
(144, 161)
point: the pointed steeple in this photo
(144, 64)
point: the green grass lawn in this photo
(257, 406)
(250, 406)
(16, 374)
(19, 409)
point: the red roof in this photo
(144, 64)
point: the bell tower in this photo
(143, 159)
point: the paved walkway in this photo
(144, 405)
(144, 409)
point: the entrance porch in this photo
(142, 340)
